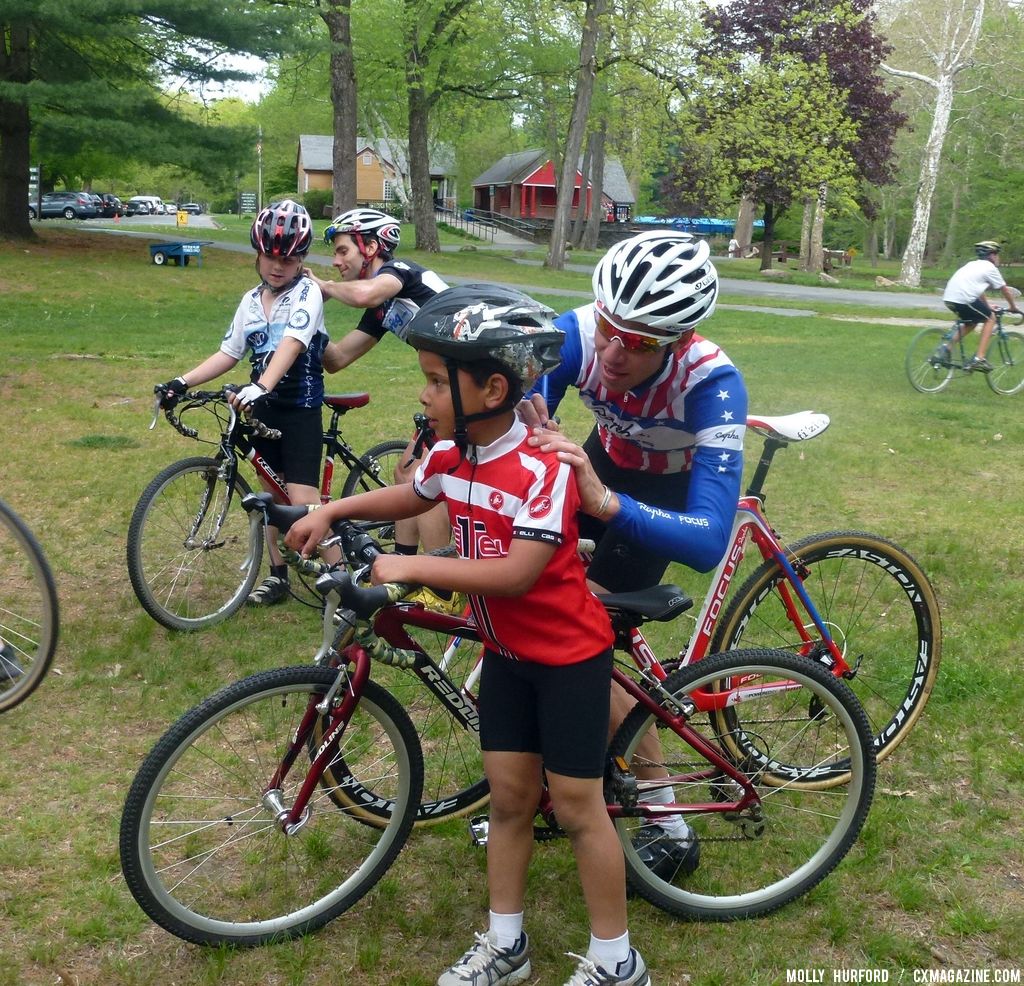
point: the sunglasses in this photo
(630, 340)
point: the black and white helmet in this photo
(663, 278)
(986, 248)
(362, 223)
(489, 321)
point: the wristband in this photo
(605, 500)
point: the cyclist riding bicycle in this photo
(391, 292)
(280, 323)
(965, 297)
(543, 691)
(660, 473)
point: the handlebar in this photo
(358, 548)
(201, 398)
(425, 438)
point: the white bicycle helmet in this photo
(360, 223)
(663, 278)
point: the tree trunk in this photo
(816, 258)
(871, 242)
(15, 128)
(913, 256)
(744, 231)
(805, 233)
(769, 236)
(949, 246)
(419, 164)
(596, 217)
(577, 127)
(587, 172)
(337, 17)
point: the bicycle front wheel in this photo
(453, 774)
(759, 856)
(878, 606)
(201, 848)
(925, 371)
(376, 468)
(29, 617)
(193, 551)
(1007, 376)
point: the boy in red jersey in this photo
(548, 643)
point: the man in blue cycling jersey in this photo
(660, 473)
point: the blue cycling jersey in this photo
(688, 419)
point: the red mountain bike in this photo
(276, 804)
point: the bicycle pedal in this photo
(478, 828)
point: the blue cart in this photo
(178, 253)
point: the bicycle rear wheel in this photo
(1007, 376)
(376, 468)
(201, 849)
(925, 371)
(756, 858)
(878, 606)
(453, 774)
(193, 551)
(29, 616)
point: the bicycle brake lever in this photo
(156, 412)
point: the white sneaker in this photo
(632, 972)
(487, 965)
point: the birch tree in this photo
(946, 40)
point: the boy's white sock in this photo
(608, 952)
(505, 929)
(674, 825)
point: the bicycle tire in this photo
(755, 860)
(878, 604)
(29, 612)
(187, 587)
(202, 853)
(1007, 375)
(924, 374)
(454, 785)
(376, 469)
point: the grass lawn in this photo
(937, 880)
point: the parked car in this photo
(192, 207)
(155, 203)
(112, 205)
(69, 205)
(136, 207)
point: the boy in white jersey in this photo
(280, 323)
(544, 696)
(965, 297)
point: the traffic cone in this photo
(117, 217)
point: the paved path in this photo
(766, 291)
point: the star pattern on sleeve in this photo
(727, 415)
(723, 395)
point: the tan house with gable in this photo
(380, 165)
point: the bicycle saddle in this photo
(789, 427)
(661, 603)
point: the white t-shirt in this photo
(972, 280)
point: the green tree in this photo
(87, 74)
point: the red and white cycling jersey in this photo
(509, 490)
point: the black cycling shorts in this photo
(297, 454)
(621, 565)
(976, 311)
(558, 711)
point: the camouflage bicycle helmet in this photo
(663, 279)
(366, 223)
(986, 248)
(487, 322)
(282, 229)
